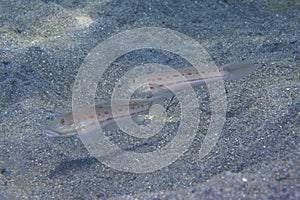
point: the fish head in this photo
(62, 126)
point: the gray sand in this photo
(42, 45)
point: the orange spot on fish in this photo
(106, 112)
(159, 79)
(175, 75)
(190, 73)
(78, 119)
(91, 116)
(62, 122)
(120, 109)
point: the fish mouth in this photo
(52, 133)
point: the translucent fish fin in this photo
(239, 70)
(160, 97)
(125, 101)
(120, 102)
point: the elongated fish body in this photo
(157, 84)
(65, 125)
(164, 82)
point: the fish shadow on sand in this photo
(68, 167)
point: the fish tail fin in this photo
(239, 70)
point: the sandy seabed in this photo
(42, 46)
